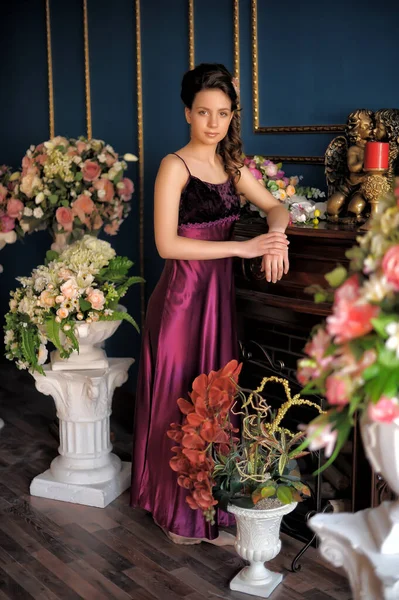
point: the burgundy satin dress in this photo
(190, 329)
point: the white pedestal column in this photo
(85, 472)
(352, 541)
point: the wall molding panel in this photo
(50, 72)
(87, 70)
(191, 49)
(140, 146)
(262, 129)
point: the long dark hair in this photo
(209, 76)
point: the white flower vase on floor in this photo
(257, 541)
(381, 444)
(91, 337)
(366, 544)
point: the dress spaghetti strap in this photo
(182, 159)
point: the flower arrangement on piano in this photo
(302, 202)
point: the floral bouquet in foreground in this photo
(353, 359)
(73, 187)
(299, 200)
(84, 283)
(216, 467)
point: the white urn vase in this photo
(366, 544)
(381, 445)
(90, 337)
(257, 541)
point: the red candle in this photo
(376, 156)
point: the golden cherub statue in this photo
(344, 167)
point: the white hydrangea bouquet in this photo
(303, 203)
(82, 284)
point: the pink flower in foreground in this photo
(317, 347)
(351, 316)
(338, 390)
(385, 411)
(348, 291)
(325, 438)
(390, 266)
(351, 321)
(307, 370)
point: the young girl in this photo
(190, 323)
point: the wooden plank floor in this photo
(55, 550)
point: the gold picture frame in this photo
(255, 92)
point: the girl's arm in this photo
(170, 181)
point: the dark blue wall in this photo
(317, 62)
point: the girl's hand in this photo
(267, 243)
(275, 266)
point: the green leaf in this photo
(337, 276)
(282, 463)
(118, 177)
(380, 324)
(84, 304)
(122, 289)
(371, 372)
(284, 494)
(388, 359)
(320, 297)
(354, 403)
(71, 335)
(116, 270)
(29, 346)
(50, 256)
(53, 332)
(268, 491)
(78, 176)
(53, 199)
(301, 487)
(391, 384)
(120, 316)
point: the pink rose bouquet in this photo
(299, 200)
(10, 206)
(73, 187)
(353, 358)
